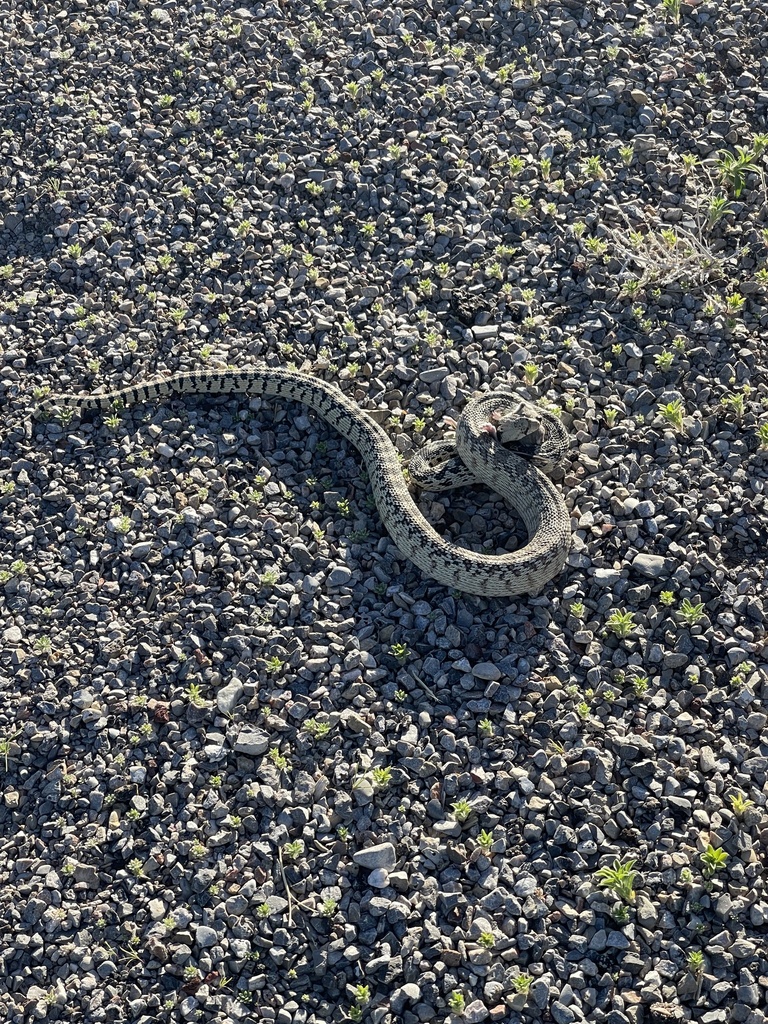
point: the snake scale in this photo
(486, 425)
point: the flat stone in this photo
(253, 742)
(339, 576)
(486, 670)
(205, 937)
(606, 577)
(400, 997)
(561, 1013)
(229, 695)
(540, 992)
(447, 829)
(475, 1012)
(157, 909)
(481, 333)
(355, 723)
(87, 873)
(382, 855)
(434, 374)
(653, 566)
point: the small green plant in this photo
(717, 208)
(734, 167)
(627, 154)
(456, 1003)
(485, 841)
(622, 624)
(735, 402)
(294, 849)
(690, 613)
(198, 850)
(593, 168)
(667, 598)
(673, 413)
(577, 609)
(619, 878)
(598, 247)
(381, 777)
(522, 983)
(485, 726)
(630, 288)
(194, 695)
(329, 907)
(486, 940)
(695, 962)
(672, 7)
(362, 995)
(278, 760)
(43, 645)
(739, 803)
(713, 860)
(640, 685)
(316, 729)
(461, 810)
(530, 372)
(400, 652)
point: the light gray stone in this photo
(382, 855)
(205, 937)
(253, 742)
(653, 566)
(229, 695)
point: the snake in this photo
(501, 440)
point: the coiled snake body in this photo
(486, 425)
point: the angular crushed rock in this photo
(255, 765)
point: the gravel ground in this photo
(254, 765)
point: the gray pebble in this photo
(253, 742)
(382, 855)
(205, 936)
(653, 566)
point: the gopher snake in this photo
(486, 424)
